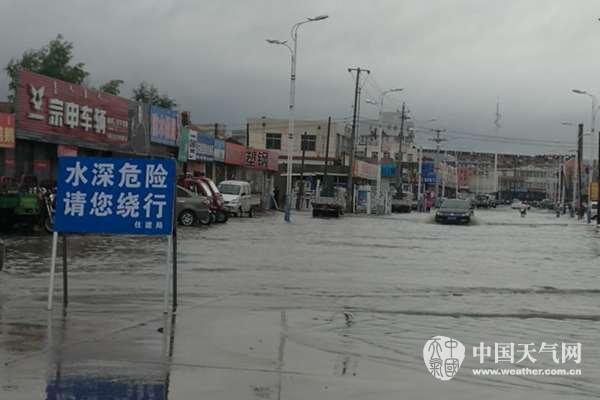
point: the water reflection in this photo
(71, 377)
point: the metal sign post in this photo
(133, 196)
(52, 269)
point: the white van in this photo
(238, 198)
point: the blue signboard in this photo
(115, 195)
(106, 388)
(428, 172)
(200, 146)
(388, 170)
(219, 150)
(163, 126)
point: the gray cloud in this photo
(454, 58)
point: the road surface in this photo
(318, 308)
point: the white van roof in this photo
(238, 183)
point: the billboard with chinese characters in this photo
(267, 160)
(365, 170)
(164, 128)
(60, 112)
(115, 195)
(200, 146)
(7, 131)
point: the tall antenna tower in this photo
(498, 115)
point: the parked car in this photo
(191, 208)
(454, 210)
(206, 187)
(482, 201)
(594, 212)
(238, 198)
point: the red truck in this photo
(206, 187)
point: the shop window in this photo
(309, 142)
(273, 141)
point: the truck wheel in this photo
(187, 218)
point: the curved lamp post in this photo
(290, 141)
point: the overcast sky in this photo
(454, 57)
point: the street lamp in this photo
(290, 142)
(380, 134)
(592, 130)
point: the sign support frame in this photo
(52, 270)
(171, 257)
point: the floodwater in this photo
(320, 308)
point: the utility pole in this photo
(248, 135)
(563, 175)
(419, 173)
(496, 175)
(325, 185)
(300, 197)
(444, 173)
(579, 159)
(574, 186)
(350, 184)
(399, 172)
(214, 165)
(456, 175)
(514, 185)
(437, 139)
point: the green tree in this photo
(54, 60)
(147, 93)
(112, 87)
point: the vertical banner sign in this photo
(115, 195)
(184, 138)
(7, 131)
(428, 172)
(163, 126)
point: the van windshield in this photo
(227, 188)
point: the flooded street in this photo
(318, 308)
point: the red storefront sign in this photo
(266, 160)
(261, 159)
(59, 110)
(235, 154)
(7, 131)
(66, 151)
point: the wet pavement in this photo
(334, 309)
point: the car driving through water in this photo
(454, 211)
